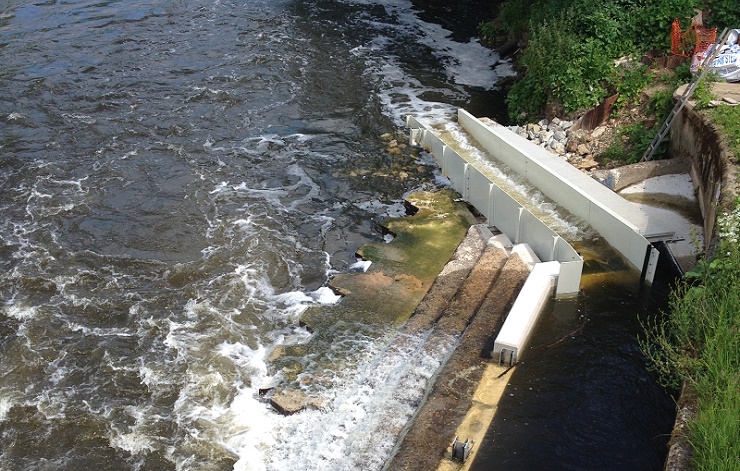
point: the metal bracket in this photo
(461, 450)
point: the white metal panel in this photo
(536, 233)
(569, 280)
(507, 214)
(520, 322)
(479, 192)
(455, 168)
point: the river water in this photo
(179, 181)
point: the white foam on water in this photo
(465, 63)
(16, 116)
(20, 312)
(133, 442)
(325, 296)
(136, 439)
(396, 209)
(5, 405)
(153, 378)
(239, 424)
(364, 413)
(245, 357)
(401, 94)
(50, 196)
(52, 404)
(100, 332)
(361, 265)
(282, 198)
(86, 119)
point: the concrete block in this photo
(511, 341)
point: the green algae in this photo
(376, 302)
(402, 270)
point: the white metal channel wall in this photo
(501, 210)
(621, 223)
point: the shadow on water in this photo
(586, 401)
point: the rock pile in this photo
(559, 137)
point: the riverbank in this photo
(693, 345)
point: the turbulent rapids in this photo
(180, 181)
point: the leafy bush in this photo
(487, 31)
(526, 99)
(629, 148)
(562, 67)
(724, 13)
(607, 23)
(630, 81)
(727, 119)
(572, 44)
(703, 92)
(661, 104)
(651, 21)
(682, 74)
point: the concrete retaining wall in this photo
(694, 136)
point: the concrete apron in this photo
(480, 415)
(464, 396)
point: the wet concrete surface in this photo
(454, 405)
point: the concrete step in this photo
(448, 282)
(473, 316)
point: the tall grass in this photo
(699, 344)
(727, 118)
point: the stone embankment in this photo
(565, 139)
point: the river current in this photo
(178, 182)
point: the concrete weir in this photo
(628, 227)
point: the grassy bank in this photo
(727, 119)
(699, 345)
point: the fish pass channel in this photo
(180, 180)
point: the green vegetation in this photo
(633, 140)
(699, 345)
(727, 119)
(568, 62)
(703, 93)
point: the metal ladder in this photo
(666, 127)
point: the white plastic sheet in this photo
(727, 63)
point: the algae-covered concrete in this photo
(400, 275)
(403, 270)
